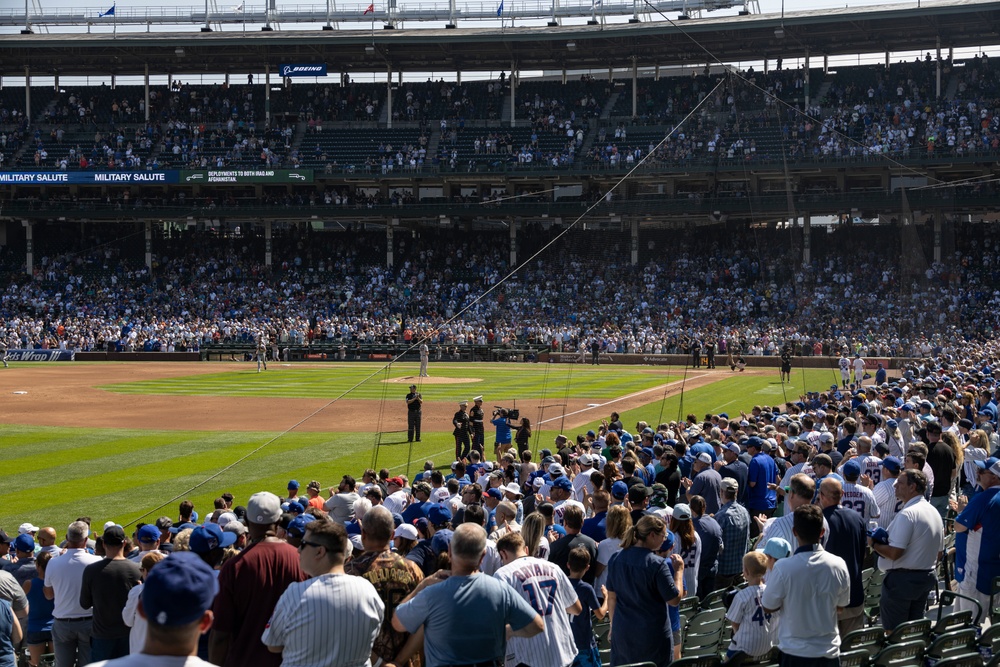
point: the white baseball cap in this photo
(26, 528)
(704, 457)
(406, 531)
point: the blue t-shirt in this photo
(503, 430)
(642, 583)
(445, 609)
(596, 526)
(982, 514)
(761, 471)
(6, 627)
(583, 629)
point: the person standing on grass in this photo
(414, 414)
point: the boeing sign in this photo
(303, 70)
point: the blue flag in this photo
(110, 12)
(500, 9)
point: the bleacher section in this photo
(363, 151)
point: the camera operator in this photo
(501, 420)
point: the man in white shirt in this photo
(543, 585)
(808, 633)
(910, 553)
(586, 462)
(398, 499)
(300, 626)
(72, 627)
(801, 492)
(885, 491)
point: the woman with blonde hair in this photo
(533, 533)
(977, 449)
(617, 524)
(640, 586)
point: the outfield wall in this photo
(871, 363)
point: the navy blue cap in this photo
(619, 490)
(208, 537)
(179, 590)
(148, 533)
(297, 526)
(438, 515)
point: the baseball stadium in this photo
(719, 282)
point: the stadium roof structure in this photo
(894, 28)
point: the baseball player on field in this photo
(261, 353)
(3, 352)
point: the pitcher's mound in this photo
(412, 379)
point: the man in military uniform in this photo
(463, 428)
(710, 352)
(786, 364)
(414, 402)
(477, 416)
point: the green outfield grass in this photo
(53, 475)
(502, 382)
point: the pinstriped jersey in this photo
(758, 630)
(549, 592)
(885, 498)
(307, 612)
(861, 500)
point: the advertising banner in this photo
(306, 69)
(246, 176)
(87, 177)
(40, 355)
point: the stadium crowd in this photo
(865, 112)
(505, 557)
(733, 289)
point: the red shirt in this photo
(249, 587)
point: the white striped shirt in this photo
(328, 621)
(885, 498)
(861, 500)
(871, 465)
(758, 630)
(550, 593)
(782, 527)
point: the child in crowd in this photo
(754, 630)
(583, 632)
(775, 549)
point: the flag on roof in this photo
(110, 12)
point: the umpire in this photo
(413, 414)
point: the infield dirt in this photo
(68, 395)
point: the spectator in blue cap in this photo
(176, 602)
(619, 491)
(148, 538)
(23, 568)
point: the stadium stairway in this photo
(588, 141)
(433, 142)
(952, 88)
(821, 93)
(610, 105)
